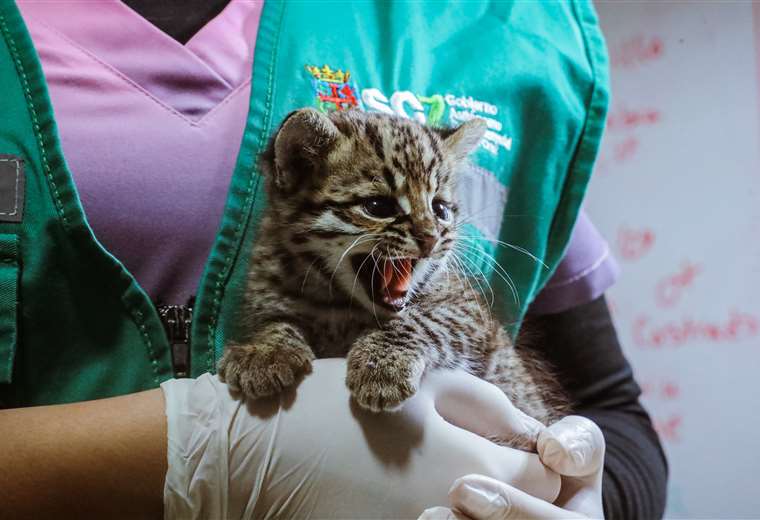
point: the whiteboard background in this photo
(677, 194)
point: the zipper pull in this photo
(177, 320)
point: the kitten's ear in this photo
(463, 140)
(304, 139)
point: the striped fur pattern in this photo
(349, 193)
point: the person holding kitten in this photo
(151, 118)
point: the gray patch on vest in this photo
(11, 188)
(482, 199)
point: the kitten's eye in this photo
(442, 210)
(381, 207)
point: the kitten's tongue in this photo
(397, 276)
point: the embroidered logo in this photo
(334, 88)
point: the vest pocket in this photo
(9, 276)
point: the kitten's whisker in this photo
(392, 253)
(507, 244)
(356, 277)
(372, 289)
(498, 269)
(503, 274)
(465, 282)
(483, 312)
(457, 273)
(490, 287)
(464, 219)
(355, 243)
(308, 272)
(482, 275)
(396, 269)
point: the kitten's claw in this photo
(382, 398)
(382, 385)
(261, 370)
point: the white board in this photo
(677, 194)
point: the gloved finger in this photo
(479, 407)
(198, 416)
(573, 447)
(483, 498)
(441, 513)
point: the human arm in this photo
(96, 459)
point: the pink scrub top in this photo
(150, 129)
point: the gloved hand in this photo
(312, 453)
(573, 447)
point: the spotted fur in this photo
(310, 290)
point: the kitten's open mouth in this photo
(386, 280)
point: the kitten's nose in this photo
(426, 243)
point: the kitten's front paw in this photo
(263, 370)
(381, 382)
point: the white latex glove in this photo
(312, 453)
(573, 447)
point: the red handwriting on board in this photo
(636, 51)
(667, 392)
(623, 119)
(739, 326)
(615, 153)
(634, 243)
(622, 122)
(670, 289)
(670, 390)
(626, 149)
(662, 390)
(669, 428)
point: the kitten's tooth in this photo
(388, 273)
(397, 302)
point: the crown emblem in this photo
(328, 74)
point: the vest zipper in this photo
(177, 321)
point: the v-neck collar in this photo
(192, 78)
(226, 42)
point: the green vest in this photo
(75, 325)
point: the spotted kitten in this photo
(355, 257)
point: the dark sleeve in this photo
(583, 346)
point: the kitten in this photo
(354, 257)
